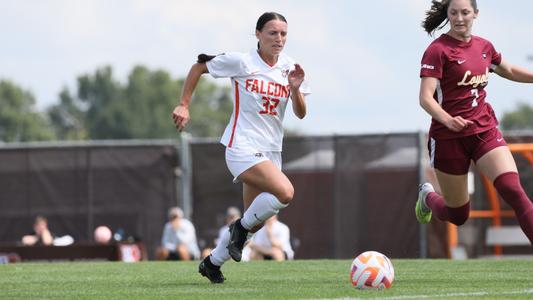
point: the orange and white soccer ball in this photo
(372, 270)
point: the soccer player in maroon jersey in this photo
(454, 73)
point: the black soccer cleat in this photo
(212, 272)
(238, 235)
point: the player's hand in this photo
(296, 77)
(457, 123)
(180, 115)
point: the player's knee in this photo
(286, 195)
(459, 215)
(508, 186)
(278, 254)
(183, 252)
(161, 253)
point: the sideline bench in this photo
(76, 252)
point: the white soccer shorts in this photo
(241, 159)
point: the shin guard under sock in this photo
(509, 187)
(455, 215)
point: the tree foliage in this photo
(104, 108)
(519, 119)
(19, 120)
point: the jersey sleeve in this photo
(304, 88)
(496, 57)
(226, 65)
(432, 62)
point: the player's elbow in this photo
(199, 68)
(301, 114)
(424, 101)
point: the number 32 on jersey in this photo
(269, 106)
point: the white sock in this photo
(220, 254)
(264, 206)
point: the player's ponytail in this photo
(203, 58)
(437, 14)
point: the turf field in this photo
(301, 279)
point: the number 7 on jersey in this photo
(474, 93)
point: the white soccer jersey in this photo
(261, 93)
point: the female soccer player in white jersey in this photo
(455, 70)
(263, 82)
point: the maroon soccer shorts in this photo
(452, 156)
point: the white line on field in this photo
(517, 292)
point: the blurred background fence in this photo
(353, 193)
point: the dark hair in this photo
(203, 58)
(268, 16)
(265, 18)
(437, 14)
(39, 219)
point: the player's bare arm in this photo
(296, 77)
(428, 86)
(514, 73)
(181, 112)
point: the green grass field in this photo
(300, 279)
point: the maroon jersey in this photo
(462, 69)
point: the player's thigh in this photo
(454, 188)
(449, 156)
(496, 162)
(266, 177)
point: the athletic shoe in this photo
(422, 211)
(212, 272)
(237, 238)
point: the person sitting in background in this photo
(232, 215)
(179, 238)
(41, 235)
(272, 242)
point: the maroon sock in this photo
(509, 188)
(526, 223)
(436, 203)
(455, 215)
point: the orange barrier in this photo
(495, 213)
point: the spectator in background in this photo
(232, 215)
(272, 242)
(179, 238)
(41, 235)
